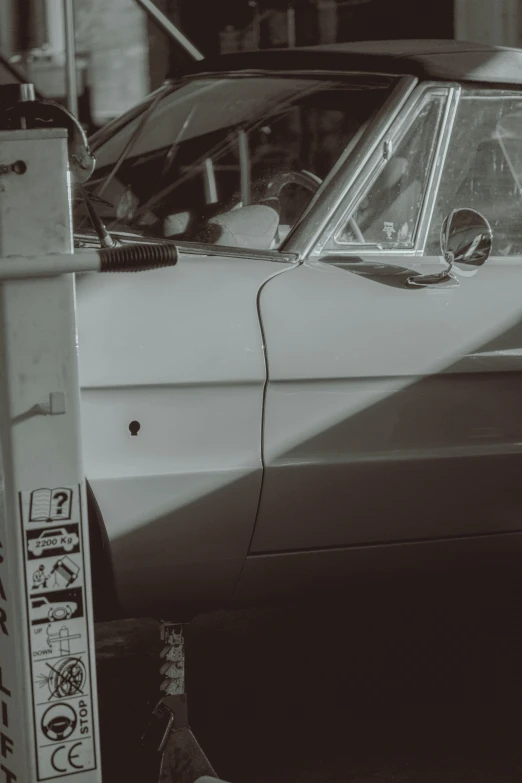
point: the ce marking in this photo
(70, 756)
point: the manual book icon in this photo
(50, 505)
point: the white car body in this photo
(301, 418)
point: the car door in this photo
(392, 413)
(172, 362)
(172, 374)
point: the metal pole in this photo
(244, 158)
(290, 15)
(70, 58)
(170, 29)
(47, 659)
(256, 24)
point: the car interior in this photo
(238, 175)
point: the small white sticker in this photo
(389, 230)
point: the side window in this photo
(483, 168)
(387, 212)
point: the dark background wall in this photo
(388, 19)
(202, 20)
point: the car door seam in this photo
(263, 412)
(401, 542)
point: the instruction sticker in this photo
(59, 540)
(62, 605)
(51, 505)
(54, 573)
(58, 631)
(66, 738)
(61, 678)
(57, 640)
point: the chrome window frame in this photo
(437, 168)
(310, 227)
(377, 164)
(372, 165)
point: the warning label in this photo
(54, 573)
(66, 737)
(60, 678)
(63, 605)
(65, 720)
(58, 631)
(58, 639)
(56, 540)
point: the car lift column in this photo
(48, 705)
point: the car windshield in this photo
(213, 159)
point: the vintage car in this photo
(329, 382)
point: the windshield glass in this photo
(228, 160)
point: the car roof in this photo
(446, 60)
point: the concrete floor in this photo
(399, 686)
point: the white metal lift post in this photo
(48, 706)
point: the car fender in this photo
(180, 353)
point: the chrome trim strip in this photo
(200, 249)
(312, 223)
(192, 248)
(439, 161)
(360, 250)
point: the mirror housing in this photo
(465, 240)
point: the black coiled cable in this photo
(137, 258)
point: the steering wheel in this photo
(310, 182)
(304, 178)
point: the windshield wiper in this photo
(97, 223)
(174, 147)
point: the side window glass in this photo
(483, 169)
(387, 213)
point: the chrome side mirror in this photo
(465, 241)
